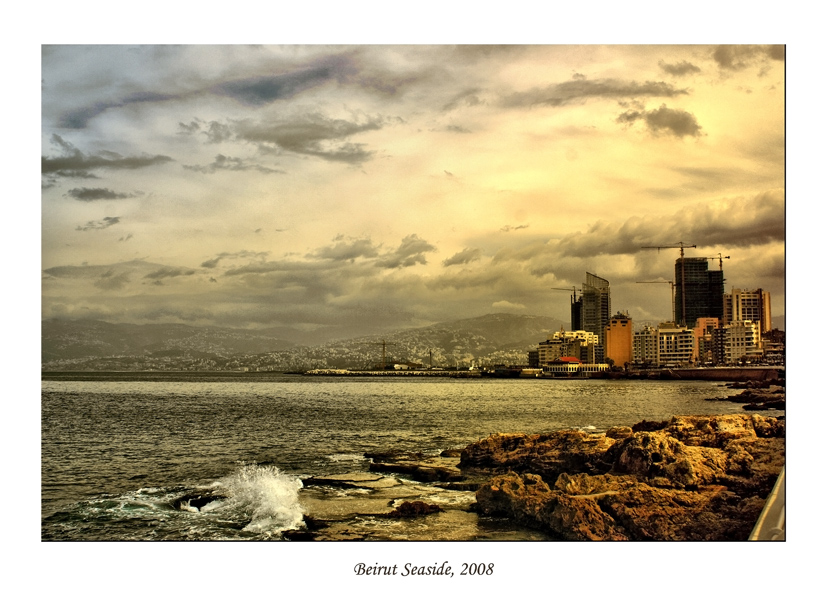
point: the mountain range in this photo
(98, 345)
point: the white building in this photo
(667, 345)
(738, 342)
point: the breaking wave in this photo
(264, 495)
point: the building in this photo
(578, 344)
(741, 304)
(699, 291)
(593, 309)
(668, 345)
(704, 340)
(738, 343)
(619, 340)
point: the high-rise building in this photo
(699, 291)
(593, 308)
(619, 340)
(741, 304)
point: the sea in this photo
(124, 455)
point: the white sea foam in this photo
(265, 495)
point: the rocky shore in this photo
(702, 478)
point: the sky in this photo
(360, 189)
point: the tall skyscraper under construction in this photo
(699, 291)
(591, 312)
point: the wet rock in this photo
(196, 501)
(417, 508)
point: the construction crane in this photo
(672, 293)
(682, 247)
(573, 297)
(719, 258)
(383, 343)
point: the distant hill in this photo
(65, 339)
(95, 345)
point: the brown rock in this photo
(548, 455)
(694, 478)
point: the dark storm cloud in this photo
(103, 224)
(312, 135)
(97, 194)
(409, 253)
(664, 121)
(169, 273)
(74, 163)
(466, 256)
(222, 162)
(578, 90)
(347, 249)
(79, 118)
(740, 57)
(680, 68)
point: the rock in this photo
(658, 455)
(196, 501)
(617, 432)
(689, 478)
(528, 499)
(545, 454)
(417, 508)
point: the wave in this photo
(264, 495)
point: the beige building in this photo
(740, 305)
(579, 344)
(667, 345)
(738, 342)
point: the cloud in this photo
(74, 163)
(466, 256)
(169, 273)
(97, 194)
(739, 57)
(262, 90)
(467, 98)
(509, 228)
(738, 222)
(347, 249)
(79, 118)
(504, 304)
(578, 90)
(680, 68)
(112, 281)
(222, 162)
(664, 121)
(312, 135)
(214, 262)
(96, 225)
(409, 253)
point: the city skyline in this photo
(372, 188)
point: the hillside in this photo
(65, 340)
(93, 345)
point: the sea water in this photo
(118, 454)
